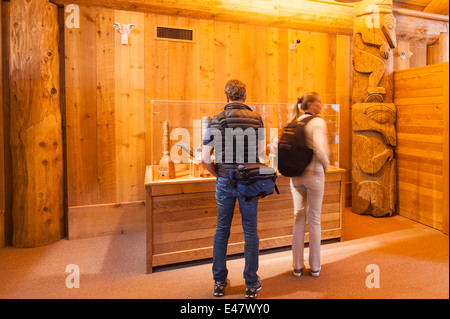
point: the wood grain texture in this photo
(421, 95)
(437, 6)
(438, 52)
(2, 148)
(129, 110)
(343, 98)
(418, 58)
(110, 87)
(106, 219)
(302, 14)
(81, 110)
(106, 134)
(36, 135)
(445, 173)
(5, 119)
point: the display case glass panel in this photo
(187, 121)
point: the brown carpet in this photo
(413, 261)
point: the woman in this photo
(310, 186)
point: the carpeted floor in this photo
(413, 262)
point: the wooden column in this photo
(2, 147)
(373, 113)
(36, 134)
(438, 52)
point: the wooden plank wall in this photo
(418, 58)
(421, 97)
(2, 149)
(109, 86)
(5, 152)
(105, 121)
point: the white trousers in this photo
(308, 188)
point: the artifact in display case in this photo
(181, 145)
(166, 168)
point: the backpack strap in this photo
(306, 120)
(276, 189)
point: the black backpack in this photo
(293, 153)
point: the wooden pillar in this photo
(438, 52)
(2, 148)
(373, 113)
(36, 133)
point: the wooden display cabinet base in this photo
(181, 217)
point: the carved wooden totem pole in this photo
(373, 113)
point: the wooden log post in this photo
(373, 113)
(2, 148)
(36, 133)
(438, 52)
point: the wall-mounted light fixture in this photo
(124, 30)
(294, 44)
(404, 55)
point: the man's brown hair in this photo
(235, 90)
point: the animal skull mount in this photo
(124, 30)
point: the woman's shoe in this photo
(315, 273)
(297, 272)
(219, 287)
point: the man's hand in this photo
(207, 160)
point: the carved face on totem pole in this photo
(388, 27)
(373, 163)
(374, 37)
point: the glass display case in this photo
(181, 209)
(175, 132)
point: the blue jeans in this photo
(226, 198)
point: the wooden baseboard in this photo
(233, 248)
(106, 219)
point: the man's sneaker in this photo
(219, 286)
(297, 272)
(315, 273)
(252, 292)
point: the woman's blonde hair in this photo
(303, 102)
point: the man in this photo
(232, 134)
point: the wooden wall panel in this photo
(344, 69)
(106, 151)
(206, 61)
(252, 61)
(276, 64)
(226, 55)
(445, 217)
(2, 148)
(439, 51)
(110, 88)
(5, 121)
(129, 110)
(417, 59)
(421, 97)
(81, 110)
